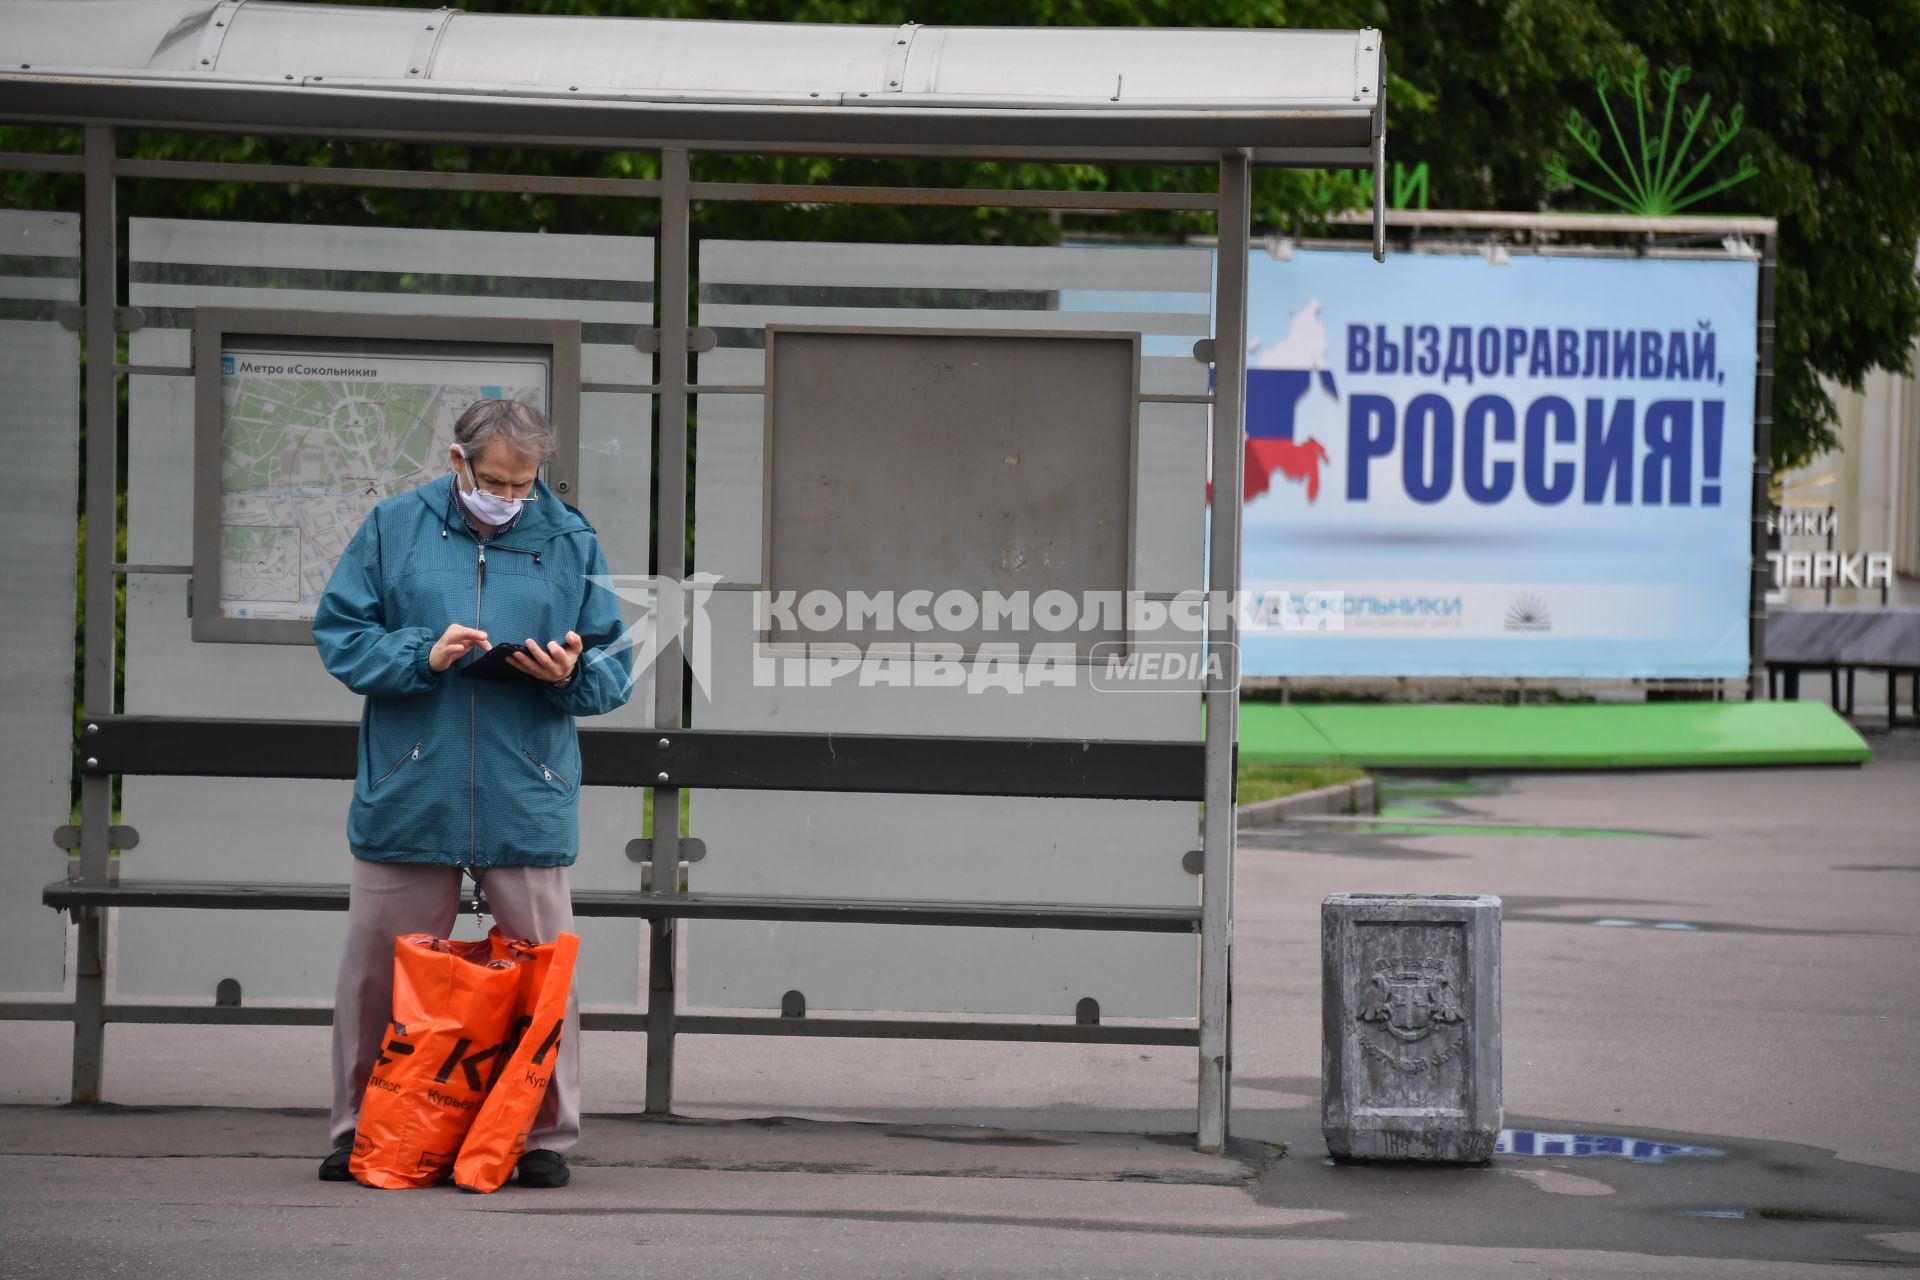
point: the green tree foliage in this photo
(1830, 121)
(1478, 89)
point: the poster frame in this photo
(557, 342)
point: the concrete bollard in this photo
(1410, 1008)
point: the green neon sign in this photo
(1649, 178)
(1348, 188)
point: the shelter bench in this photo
(1831, 641)
(1081, 769)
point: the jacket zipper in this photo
(412, 753)
(473, 707)
(546, 770)
(473, 710)
(524, 551)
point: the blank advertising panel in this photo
(929, 460)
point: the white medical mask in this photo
(490, 508)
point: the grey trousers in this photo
(386, 899)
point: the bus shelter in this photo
(956, 851)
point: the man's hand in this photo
(553, 663)
(454, 643)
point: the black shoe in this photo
(543, 1169)
(334, 1167)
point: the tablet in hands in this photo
(493, 665)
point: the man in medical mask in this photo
(466, 779)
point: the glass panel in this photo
(944, 847)
(294, 831)
(40, 430)
(900, 968)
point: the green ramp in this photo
(1657, 735)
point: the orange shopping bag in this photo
(499, 1133)
(453, 1006)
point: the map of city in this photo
(310, 443)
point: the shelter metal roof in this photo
(1157, 95)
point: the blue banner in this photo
(1540, 467)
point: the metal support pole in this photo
(1379, 149)
(671, 557)
(96, 790)
(1223, 678)
(1762, 574)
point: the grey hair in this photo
(519, 426)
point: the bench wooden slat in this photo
(1090, 769)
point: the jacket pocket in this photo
(412, 754)
(547, 772)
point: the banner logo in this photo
(1529, 612)
(1287, 382)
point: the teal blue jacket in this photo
(455, 771)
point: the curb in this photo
(1342, 797)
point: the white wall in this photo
(1873, 482)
